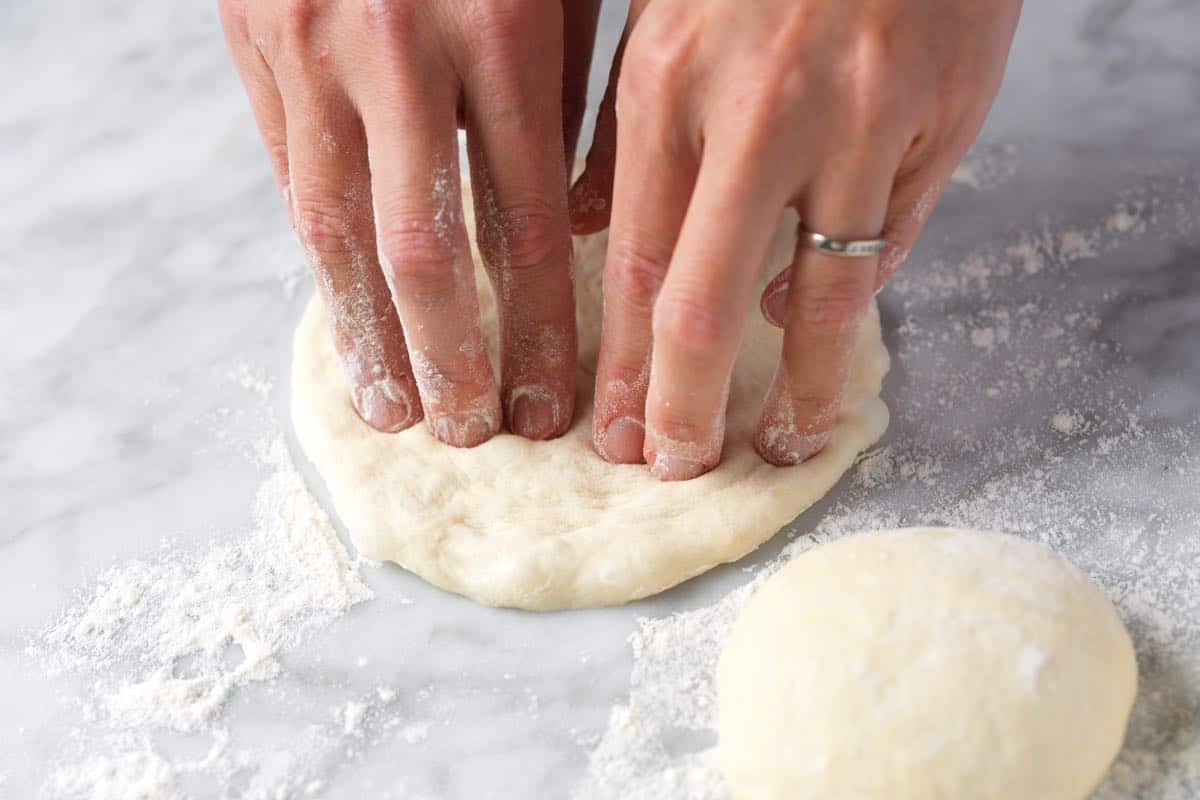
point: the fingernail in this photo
(674, 468)
(774, 305)
(385, 408)
(786, 449)
(463, 428)
(586, 206)
(534, 416)
(623, 441)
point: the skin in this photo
(358, 104)
(853, 113)
(715, 120)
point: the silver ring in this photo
(843, 248)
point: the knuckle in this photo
(233, 15)
(501, 23)
(300, 17)
(654, 63)
(322, 225)
(389, 16)
(416, 250)
(689, 321)
(874, 65)
(521, 237)
(637, 278)
(872, 91)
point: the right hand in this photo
(358, 103)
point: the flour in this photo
(164, 646)
(1098, 480)
(985, 166)
(252, 379)
(166, 642)
(249, 599)
(1067, 423)
(351, 716)
(659, 744)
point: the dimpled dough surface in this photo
(550, 525)
(924, 664)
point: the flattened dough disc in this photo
(547, 525)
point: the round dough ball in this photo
(924, 663)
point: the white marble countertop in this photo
(1046, 382)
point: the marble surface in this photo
(143, 257)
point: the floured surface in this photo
(550, 525)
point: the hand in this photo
(358, 103)
(853, 112)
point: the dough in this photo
(924, 663)
(550, 525)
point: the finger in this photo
(654, 178)
(700, 312)
(914, 195)
(332, 211)
(265, 101)
(774, 300)
(590, 198)
(827, 301)
(521, 221)
(425, 254)
(579, 39)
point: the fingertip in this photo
(464, 428)
(386, 405)
(785, 448)
(621, 441)
(676, 468)
(588, 206)
(679, 459)
(774, 303)
(538, 414)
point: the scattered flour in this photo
(163, 644)
(1126, 219)
(985, 166)
(983, 338)
(352, 715)
(1067, 423)
(248, 598)
(166, 642)
(252, 379)
(158, 648)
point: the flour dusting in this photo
(163, 645)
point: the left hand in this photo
(854, 112)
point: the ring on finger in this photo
(843, 248)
